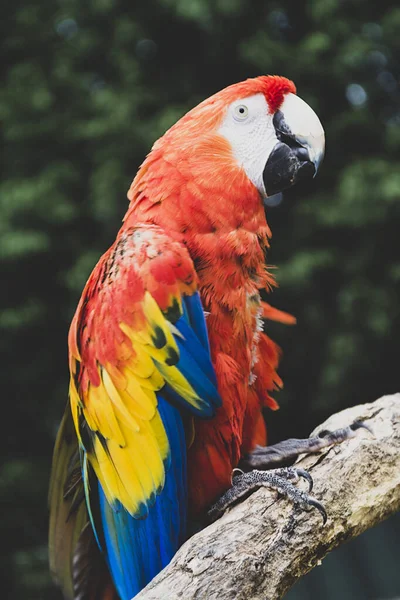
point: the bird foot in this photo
(282, 480)
(287, 451)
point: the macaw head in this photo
(254, 134)
(275, 136)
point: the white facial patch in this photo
(249, 129)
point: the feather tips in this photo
(75, 560)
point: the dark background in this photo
(86, 87)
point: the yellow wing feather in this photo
(122, 352)
(129, 446)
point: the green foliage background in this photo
(86, 89)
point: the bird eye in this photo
(241, 112)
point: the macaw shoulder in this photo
(144, 272)
(145, 257)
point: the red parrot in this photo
(170, 367)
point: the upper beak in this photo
(300, 146)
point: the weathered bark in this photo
(261, 547)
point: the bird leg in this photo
(282, 479)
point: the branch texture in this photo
(258, 550)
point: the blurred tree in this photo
(86, 89)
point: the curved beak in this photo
(300, 146)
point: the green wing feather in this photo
(76, 563)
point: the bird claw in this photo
(235, 473)
(295, 474)
(243, 484)
(320, 507)
(361, 425)
(306, 475)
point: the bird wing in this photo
(139, 362)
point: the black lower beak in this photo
(285, 166)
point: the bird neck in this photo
(215, 211)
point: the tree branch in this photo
(261, 547)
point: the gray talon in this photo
(306, 475)
(361, 425)
(320, 508)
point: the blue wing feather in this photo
(190, 345)
(137, 549)
(194, 310)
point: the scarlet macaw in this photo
(170, 367)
